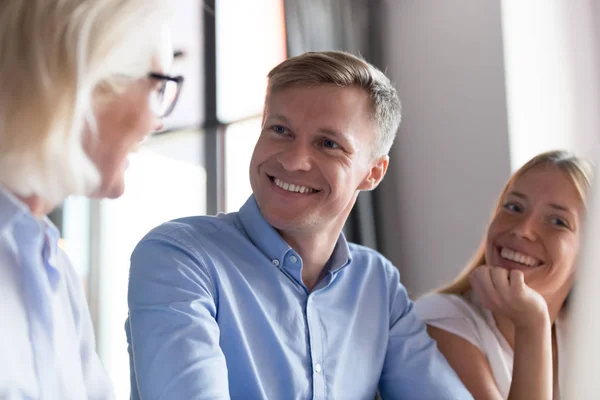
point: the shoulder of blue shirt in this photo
(197, 234)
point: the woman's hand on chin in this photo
(505, 293)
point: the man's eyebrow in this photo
(337, 135)
(328, 131)
(279, 117)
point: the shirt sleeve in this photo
(440, 311)
(413, 367)
(172, 331)
(97, 383)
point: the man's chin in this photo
(287, 222)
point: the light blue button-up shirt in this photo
(46, 337)
(218, 310)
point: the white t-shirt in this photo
(461, 317)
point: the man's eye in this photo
(559, 222)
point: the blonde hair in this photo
(344, 69)
(54, 57)
(580, 172)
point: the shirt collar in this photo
(10, 208)
(341, 256)
(261, 233)
(51, 248)
(272, 245)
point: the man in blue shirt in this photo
(271, 302)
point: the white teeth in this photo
(518, 257)
(290, 187)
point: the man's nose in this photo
(297, 157)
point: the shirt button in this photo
(318, 368)
(275, 262)
(293, 259)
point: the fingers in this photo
(505, 292)
(501, 282)
(517, 279)
(492, 286)
(517, 284)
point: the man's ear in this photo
(376, 173)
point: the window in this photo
(240, 139)
(187, 39)
(159, 188)
(75, 240)
(250, 41)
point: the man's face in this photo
(314, 155)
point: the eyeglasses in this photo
(165, 96)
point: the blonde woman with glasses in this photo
(83, 83)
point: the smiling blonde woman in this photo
(83, 82)
(501, 323)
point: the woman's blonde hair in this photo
(344, 69)
(580, 172)
(54, 57)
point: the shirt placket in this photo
(37, 293)
(315, 333)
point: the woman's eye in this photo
(279, 129)
(330, 144)
(512, 207)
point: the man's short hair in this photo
(345, 69)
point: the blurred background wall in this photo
(452, 155)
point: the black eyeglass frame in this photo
(179, 79)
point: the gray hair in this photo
(54, 57)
